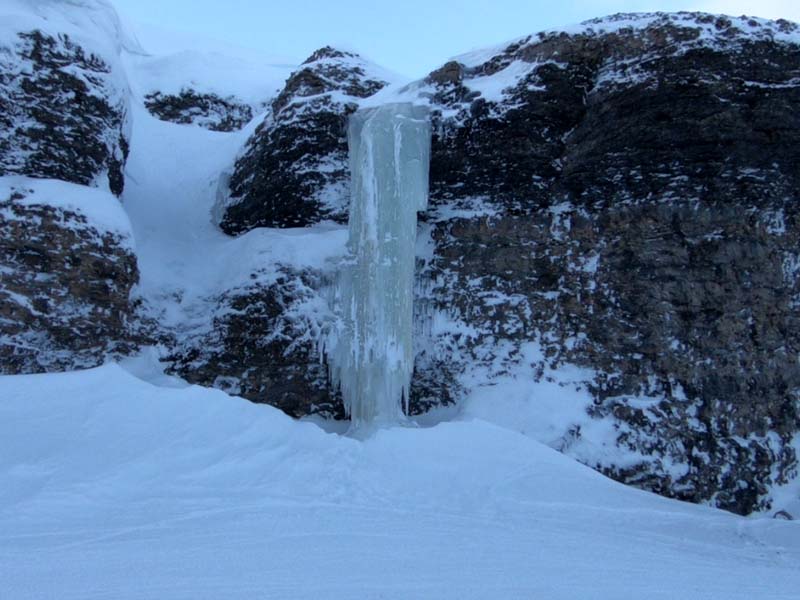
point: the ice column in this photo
(372, 356)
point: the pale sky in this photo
(410, 37)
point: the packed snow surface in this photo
(113, 487)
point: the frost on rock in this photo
(64, 103)
(293, 170)
(624, 194)
(372, 357)
(204, 110)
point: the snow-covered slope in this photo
(184, 259)
(111, 486)
(194, 79)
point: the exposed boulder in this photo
(262, 344)
(68, 269)
(202, 109)
(293, 171)
(626, 196)
(63, 101)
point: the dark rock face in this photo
(262, 345)
(638, 196)
(205, 110)
(625, 198)
(64, 290)
(62, 113)
(293, 172)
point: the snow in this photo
(91, 23)
(248, 79)
(372, 357)
(169, 62)
(353, 62)
(102, 210)
(551, 407)
(492, 86)
(111, 486)
(123, 482)
(173, 174)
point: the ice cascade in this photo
(371, 356)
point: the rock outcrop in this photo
(262, 344)
(202, 109)
(293, 172)
(623, 196)
(635, 193)
(63, 110)
(67, 269)
(67, 262)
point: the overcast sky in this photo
(408, 36)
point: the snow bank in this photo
(90, 23)
(111, 486)
(174, 172)
(102, 210)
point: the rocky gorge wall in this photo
(67, 277)
(625, 196)
(67, 259)
(643, 190)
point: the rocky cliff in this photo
(613, 210)
(639, 188)
(68, 267)
(293, 171)
(624, 196)
(262, 343)
(64, 101)
(204, 110)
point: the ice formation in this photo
(372, 356)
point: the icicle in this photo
(372, 357)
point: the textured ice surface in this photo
(372, 357)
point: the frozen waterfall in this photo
(372, 358)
